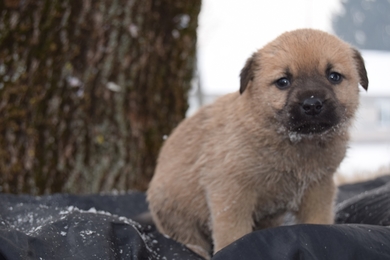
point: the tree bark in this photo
(88, 90)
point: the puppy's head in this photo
(305, 82)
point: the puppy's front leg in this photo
(317, 206)
(231, 211)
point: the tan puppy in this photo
(243, 162)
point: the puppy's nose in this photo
(312, 106)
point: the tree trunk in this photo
(88, 90)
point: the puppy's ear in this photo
(247, 73)
(361, 69)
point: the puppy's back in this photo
(184, 150)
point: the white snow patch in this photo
(92, 210)
(133, 29)
(74, 82)
(113, 87)
(294, 137)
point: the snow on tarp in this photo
(81, 227)
(66, 226)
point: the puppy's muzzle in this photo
(313, 114)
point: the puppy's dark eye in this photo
(283, 83)
(335, 77)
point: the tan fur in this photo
(235, 166)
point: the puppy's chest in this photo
(283, 195)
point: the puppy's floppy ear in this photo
(247, 73)
(361, 68)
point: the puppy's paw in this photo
(199, 250)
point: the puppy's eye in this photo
(283, 83)
(335, 77)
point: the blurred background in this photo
(230, 31)
(89, 90)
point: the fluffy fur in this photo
(243, 162)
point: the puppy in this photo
(243, 162)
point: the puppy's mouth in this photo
(311, 128)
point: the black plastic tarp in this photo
(101, 226)
(81, 227)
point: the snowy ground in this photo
(365, 158)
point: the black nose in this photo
(312, 106)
